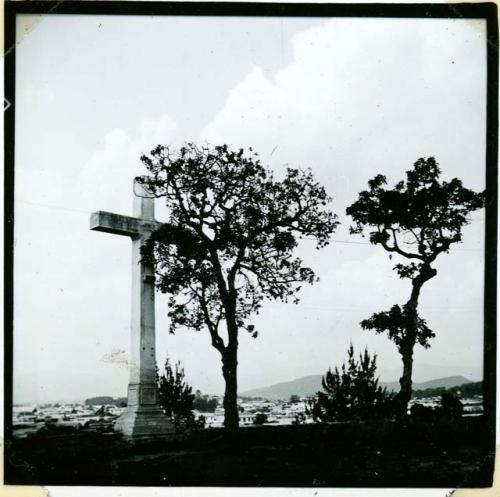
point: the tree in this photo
(353, 393)
(203, 403)
(417, 220)
(229, 241)
(260, 419)
(451, 406)
(175, 395)
(299, 419)
(294, 399)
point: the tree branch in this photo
(217, 341)
(396, 247)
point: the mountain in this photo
(309, 385)
(303, 387)
(448, 382)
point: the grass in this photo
(343, 454)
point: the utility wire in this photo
(300, 307)
(350, 242)
(58, 207)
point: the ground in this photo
(345, 454)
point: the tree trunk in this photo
(229, 368)
(426, 273)
(405, 382)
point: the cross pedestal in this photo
(143, 416)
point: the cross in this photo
(143, 416)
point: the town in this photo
(87, 416)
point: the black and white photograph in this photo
(250, 244)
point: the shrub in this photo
(353, 393)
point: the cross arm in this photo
(121, 225)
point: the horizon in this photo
(240, 394)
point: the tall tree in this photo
(418, 219)
(229, 242)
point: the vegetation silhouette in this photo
(229, 242)
(352, 393)
(260, 419)
(418, 219)
(204, 403)
(449, 411)
(464, 390)
(176, 397)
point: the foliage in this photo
(294, 399)
(465, 390)
(395, 323)
(353, 393)
(204, 403)
(260, 418)
(450, 410)
(419, 412)
(300, 419)
(176, 398)
(229, 241)
(451, 406)
(232, 227)
(106, 400)
(417, 219)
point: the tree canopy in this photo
(395, 323)
(232, 230)
(419, 218)
(229, 240)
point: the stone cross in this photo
(143, 416)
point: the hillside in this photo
(309, 385)
(303, 387)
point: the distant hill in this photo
(448, 382)
(309, 385)
(303, 387)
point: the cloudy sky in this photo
(349, 98)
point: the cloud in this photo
(105, 182)
(362, 97)
(365, 96)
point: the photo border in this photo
(487, 11)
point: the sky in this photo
(349, 98)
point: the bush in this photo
(299, 419)
(260, 419)
(353, 393)
(419, 412)
(451, 407)
(176, 399)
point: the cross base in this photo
(144, 422)
(143, 416)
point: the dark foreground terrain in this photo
(344, 454)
